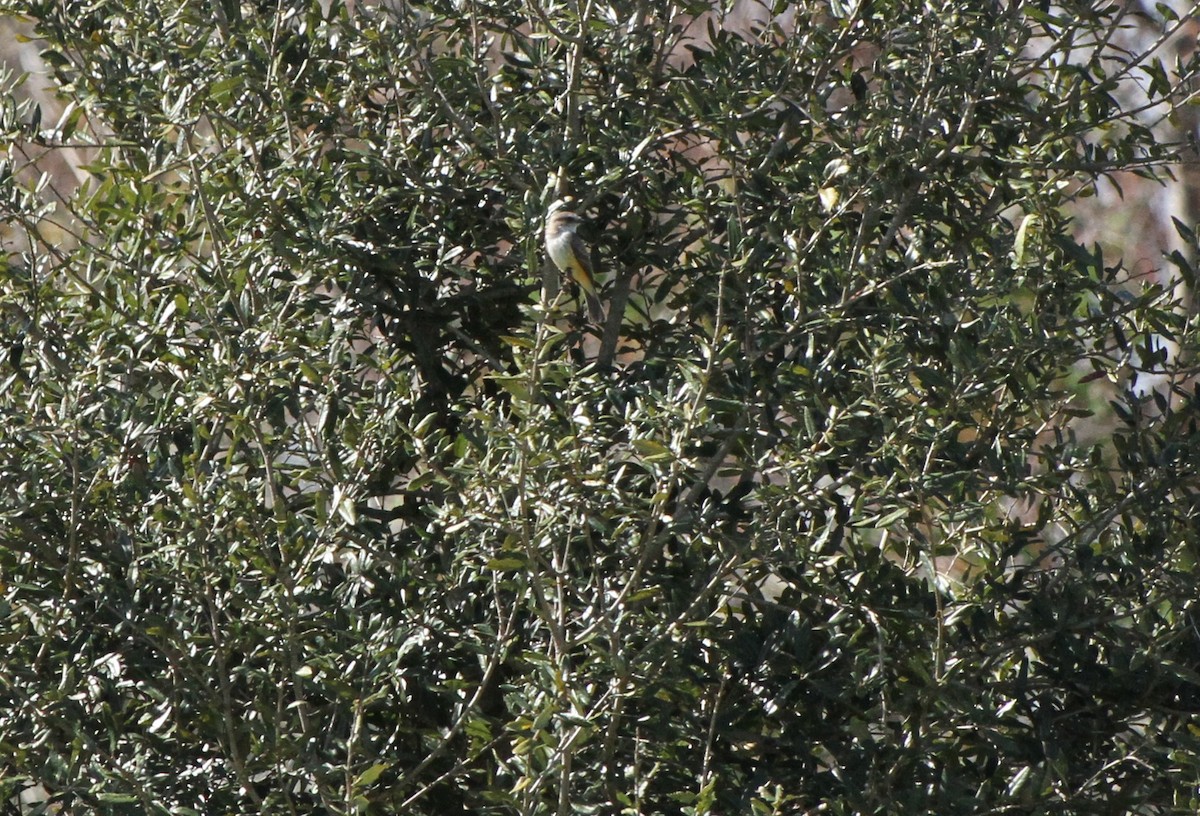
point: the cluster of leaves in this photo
(314, 499)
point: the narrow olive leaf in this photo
(652, 450)
(371, 774)
(506, 564)
(1018, 253)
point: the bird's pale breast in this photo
(559, 248)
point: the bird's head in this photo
(563, 220)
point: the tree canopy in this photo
(876, 493)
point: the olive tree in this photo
(874, 493)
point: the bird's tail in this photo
(595, 307)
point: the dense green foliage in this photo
(314, 499)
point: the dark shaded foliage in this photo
(313, 498)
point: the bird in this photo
(570, 255)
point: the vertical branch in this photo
(570, 104)
(711, 738)
(616, 311)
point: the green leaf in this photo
(370, 775)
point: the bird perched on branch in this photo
(567, 250)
